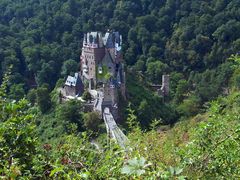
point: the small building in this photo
(73, 86)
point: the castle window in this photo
(100, 71)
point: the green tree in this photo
(213, 151)
(92, 121)
(87, 96)
(47, 74)
(181, 91)
(190, 106)
(32, 96)
(69, 67)
(155, 70)
(145, 112)
(18, 140)
(155, 51)
(70, 113)
(17, 91)
(43, 99)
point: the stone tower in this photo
(165, 85)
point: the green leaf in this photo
(133, 162)
(141, 161)
(127, 170)
(85, 175)
(178, 171)
(181, 178)
(56, 170)
(140, 172)
(171, 170)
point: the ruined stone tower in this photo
(165, 85)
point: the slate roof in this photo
(111, 39)
(72, 80)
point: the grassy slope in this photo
(171, 147)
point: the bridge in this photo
(113, 130)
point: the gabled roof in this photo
(107, 59)
(111, 39)
(72, 81)
(105, 38)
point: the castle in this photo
(102, 75)
(102, 69)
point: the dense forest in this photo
(192, 133)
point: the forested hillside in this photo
(203, 147)
(184, 135)
(37, 37)
(186, 39)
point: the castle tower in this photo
(102, 68)
(92, 53)
(165, 85)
